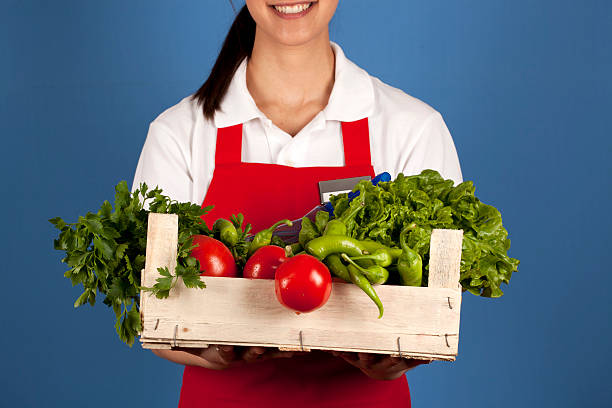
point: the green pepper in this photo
(326, 245)
(264, 237)
(339, 226)
(370, 247)
(381, 257)
(308, 232)
(376, 274)
(365, 263)
(293, 249)
(337, 267)
(226, 231)
(358, 279)
(410, 263)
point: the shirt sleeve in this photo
(164, 163)
(434, 150)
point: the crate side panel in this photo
(246, 311)
(253, 302)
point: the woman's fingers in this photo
(256, 353)
(346, 356)
(220, 356)
(360, 359)
(387, 362)
(390, 363)
(368, 359)
(414, 363)
(251, 354)
(282, 354)
(380, 366)
(225, 354)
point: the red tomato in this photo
(215, 258)
(264, 262)
(303, 283)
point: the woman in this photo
(282, 109)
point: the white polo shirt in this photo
(406, 135)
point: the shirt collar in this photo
(352, 97)
(237, 105)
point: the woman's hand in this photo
(220, 357)
(380, 366)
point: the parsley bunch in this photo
(106, 252)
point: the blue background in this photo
(524, 87)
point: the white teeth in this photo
(297, 8)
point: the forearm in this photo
(182, 357)
(222, 356)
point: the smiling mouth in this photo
(294, 9)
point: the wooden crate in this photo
(418, 322)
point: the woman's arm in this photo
(220, 357)
(181, 357)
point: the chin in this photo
(296, 39)
(294, 35)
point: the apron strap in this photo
(356, 139)
(229, 145)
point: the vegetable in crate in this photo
(388, 229)
(410, 263)
(303, 283)
(375, 274)
(431, 202)
(362, 282)
(226, 231)
(264, 262)
(106, 251)
(264, 237)
(214, 257)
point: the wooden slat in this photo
(162, 243)
(445, 258)
(161, 251)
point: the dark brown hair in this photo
(238, 45)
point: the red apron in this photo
(265, 193)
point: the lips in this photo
(293, 10)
